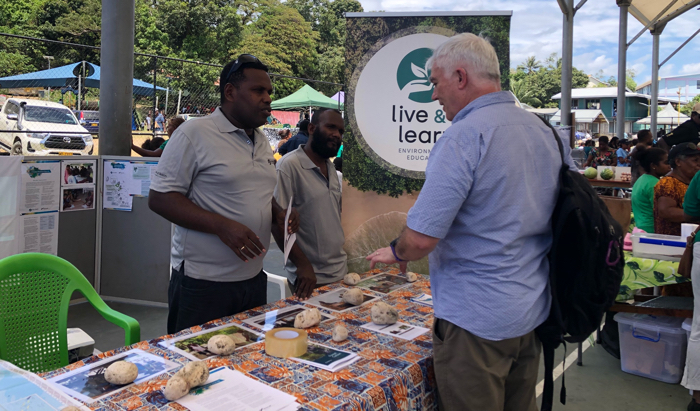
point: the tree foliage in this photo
(298, 38)
(536, 85)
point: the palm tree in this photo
(524, 94)
(530, 65)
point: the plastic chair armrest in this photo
(132, 329)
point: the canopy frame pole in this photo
(654, 109)
(622, 68)
(155, 100)
(567, 59)
(165, 110)
(680, 47)
(116, 78)
(179, 98)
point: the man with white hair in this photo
(483, 216)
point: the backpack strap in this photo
(556, 137)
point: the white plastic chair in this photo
(280, 281)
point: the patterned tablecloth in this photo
(393, 374)
(646, 272)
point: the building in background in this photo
(669, 87)
(605, 100)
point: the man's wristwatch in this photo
(393, 249)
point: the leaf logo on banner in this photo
(413, 77)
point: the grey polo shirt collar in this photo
(308, 164)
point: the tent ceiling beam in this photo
(651, 23)
(679, 11)
(680, 47)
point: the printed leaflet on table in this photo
(398, 330)
(333, 300)
(424, 299)
(88, 384)
(194, 346)
(24, 390)
(232, 390)
(383, 283)
(326, 358)
(282, 318)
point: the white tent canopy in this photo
(667, 116)
(583, 116)
(647, 10)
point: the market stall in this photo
(394, 369)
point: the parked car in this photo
(190, 116)
(40, 128)
(89, 119)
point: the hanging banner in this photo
(392, 121)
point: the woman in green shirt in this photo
(654, 161)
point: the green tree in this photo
(688, 108)
(284, 41)
(546, 82)
(523, 93)
(530, 65)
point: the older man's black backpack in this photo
(586, 265)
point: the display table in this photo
(610, 183)
(392, 373)
(646, 272)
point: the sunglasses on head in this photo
(241, 60)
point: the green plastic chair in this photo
(35, 290)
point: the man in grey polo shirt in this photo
(215, 183)
(309, 176)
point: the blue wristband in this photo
(393, 250)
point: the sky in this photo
(536, 30)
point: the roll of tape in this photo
(285, 342)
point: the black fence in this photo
(56, 78)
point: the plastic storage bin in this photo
(80, 345)
(652, 347)
(658, 246)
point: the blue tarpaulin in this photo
(68, 76)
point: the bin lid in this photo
(688, 324)
(78, 338)
(671, 325)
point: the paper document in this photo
(424, 299)
(289, 239)
(142, 174)
(333, 300)
(41, 186)
(88, 383)
(227, 390)
(118, 183)
(39, 233)
(326, 358)
(398, 330)
(284, 317)
(384, 283)
(194, 346)
(23, 390)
